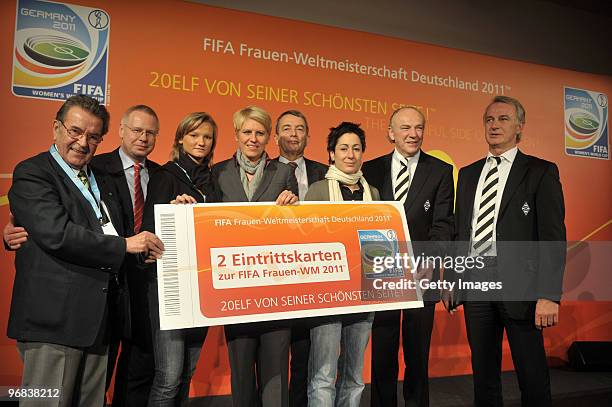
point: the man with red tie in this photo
(128, 169)
(68, 272)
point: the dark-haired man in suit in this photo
(424, 186)
(67, 272)
(292, 137)
(130, 323)
(510, 211)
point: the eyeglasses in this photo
(137, 131)
(75, 133)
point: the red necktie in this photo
(138, 199)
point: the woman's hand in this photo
(184, 199)
(286, 198)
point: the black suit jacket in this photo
(315, 171)
(228, 187)
(428, 206)
(62, 272)
(531, 214)
(165, 184)
(111, 164)
(133, 321)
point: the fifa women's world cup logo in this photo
(586, 123)
(60, 50)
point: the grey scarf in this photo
(256, 170)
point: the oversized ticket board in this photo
(245, 262)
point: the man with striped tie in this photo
(424, 186)
(510, 212)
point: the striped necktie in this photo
(402, 182)
(138, 199)
(483, 238)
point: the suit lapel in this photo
(471, 184)
(113, 212)
(516, 175)
(94, 222)
(387, 185)
(420, 176)
(309, 172)
(114, 167)
(234, 190)
(268, 172)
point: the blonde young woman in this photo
(183, 179)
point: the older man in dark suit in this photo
(292, 138)
(424, 186)
(129, 169)
(510, 212)
(128, 172)
(67, 271)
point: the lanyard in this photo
(92, 199)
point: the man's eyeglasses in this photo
(137, 131)
(75, 133)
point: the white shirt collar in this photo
(300, 161)
(399, 157)
(508, 156)
(127, 162)
(84, 168)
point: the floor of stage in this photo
(569, 389)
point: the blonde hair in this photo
(254, 113)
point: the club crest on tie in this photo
(525, 208)
(426, 205)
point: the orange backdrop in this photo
(158, 56)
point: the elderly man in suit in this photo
(129, 170)
(67, 271)
(292, 136)
(424, 186)
(510, 213)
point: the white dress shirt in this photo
(128, 169)
(396, 166)
(503, 169)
